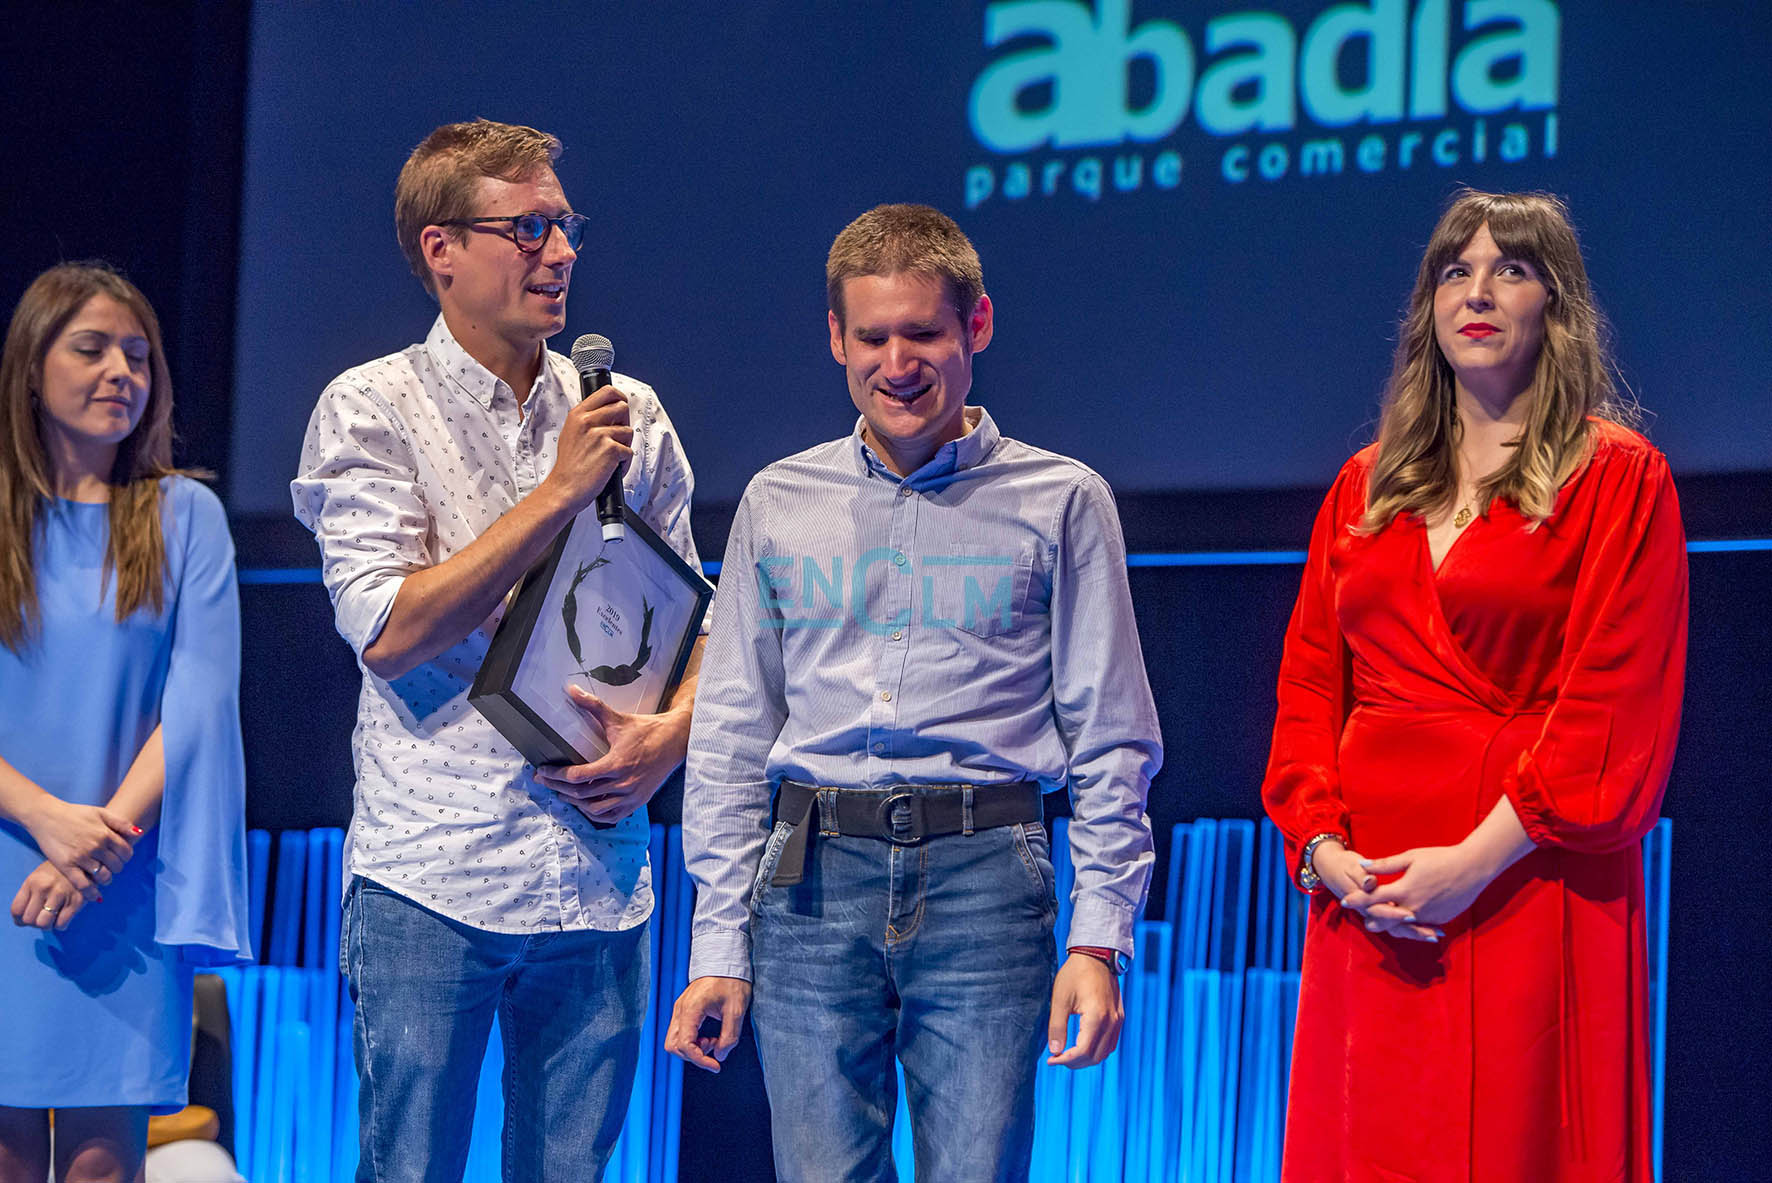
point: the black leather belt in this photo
(904, 815)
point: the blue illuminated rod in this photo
(1280, 558)
(1657, 875)
(1175, 558)
(1727, 545)
(1196, 1092)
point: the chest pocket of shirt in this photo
(984, 594)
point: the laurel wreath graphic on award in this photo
(609, 675)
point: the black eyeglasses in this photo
(530, 231)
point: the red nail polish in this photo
(137, 829)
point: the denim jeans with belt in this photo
(569, 1008)
(939, 955)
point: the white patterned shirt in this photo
(407, 460)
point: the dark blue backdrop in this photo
(1232, 224)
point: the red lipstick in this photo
(1477, 330)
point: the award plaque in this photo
(615, 618)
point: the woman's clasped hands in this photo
(1433, 884)
(84, 846)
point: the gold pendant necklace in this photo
(1462, 518)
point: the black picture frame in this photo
(521, 685)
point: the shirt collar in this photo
(968, 451)
(461, 368)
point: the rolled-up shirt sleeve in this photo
(357, 489)
(1107, 719)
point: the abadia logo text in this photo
(1085, 102)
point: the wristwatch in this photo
(1112, 958)
(1308, 879)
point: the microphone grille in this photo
(593, 352)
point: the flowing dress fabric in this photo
(101, 1014)
(1545, 665)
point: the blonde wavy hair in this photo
(1418, 431)
(135, 552)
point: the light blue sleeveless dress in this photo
(101, 1014)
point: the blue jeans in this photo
(940, 955)
(569, 1006)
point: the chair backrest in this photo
(212, 1055)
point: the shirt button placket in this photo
(525, 463)
(509, 417)
(528, 468)
(567, 868)
(889, 664)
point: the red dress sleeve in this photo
(1594, 778)
(1302, 787)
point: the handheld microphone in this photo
(593, 357)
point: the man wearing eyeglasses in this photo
(476, 885)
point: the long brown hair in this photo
(135, 552)
(1418, 431)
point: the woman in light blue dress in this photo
(122, 844)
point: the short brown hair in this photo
(893, 239)
(438, 181)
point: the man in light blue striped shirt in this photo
(921, 628)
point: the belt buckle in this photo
(914, 803)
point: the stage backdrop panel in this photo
(1198, 221)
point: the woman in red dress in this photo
(1478, 704)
